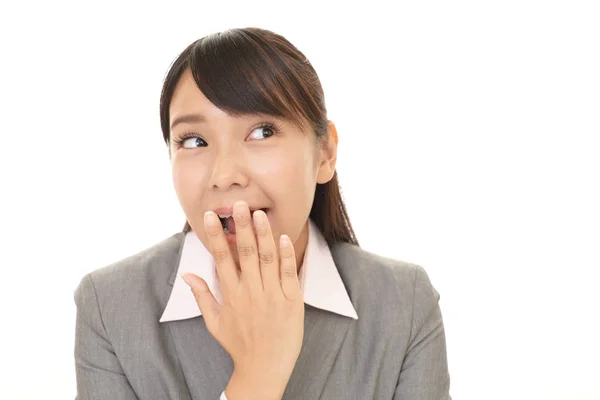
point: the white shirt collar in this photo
(319, 278)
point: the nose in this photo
(227, 172)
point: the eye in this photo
(192, 144)
(264, 131)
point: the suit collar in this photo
(320, 280)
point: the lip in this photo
(229, 210)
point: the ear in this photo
(328, 155)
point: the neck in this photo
(300, 246)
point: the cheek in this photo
(288, 174)
(289, 181)
(187, 182)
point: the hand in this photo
(261, 321)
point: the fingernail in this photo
(285, 241)
(239, 208)
(259, 218)
(211, 219)
(183, 276)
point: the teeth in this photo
(223, 216)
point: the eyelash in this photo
(267, 124)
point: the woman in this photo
(266, 293)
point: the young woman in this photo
(266, 293)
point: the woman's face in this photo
(226, 158)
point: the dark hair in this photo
(252, 70)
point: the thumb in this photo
(207, 303)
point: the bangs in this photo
(244, 73)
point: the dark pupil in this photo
(268, 132)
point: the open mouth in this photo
(228, 222)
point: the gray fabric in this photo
(395, 350)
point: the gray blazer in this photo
(395, 350)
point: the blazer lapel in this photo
(324, 333)
(206, 365)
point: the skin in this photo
(232, 158)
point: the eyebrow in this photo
(188, 118)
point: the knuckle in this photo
(288, 273)
(196, 296)
(220, 255)
(267, 257)
(259, 302)
(272, 304)
(246, 251)
(262, 230)
(242, 220)
(232, 303)
(287, 253)
(213, 231)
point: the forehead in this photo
(188, 97)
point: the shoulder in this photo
(128, 279)
(156, 259)
(358, 265)
(389, 287)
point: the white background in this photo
(469, 144)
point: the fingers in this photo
(247, 247)
(228, 275)
(261, 268)
(209, 307)
(267, 252)
(289, 272)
